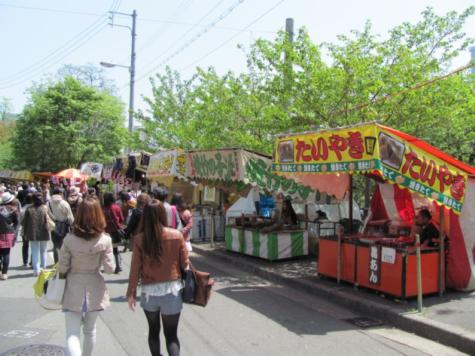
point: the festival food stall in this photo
(71, 177)
(238, 171)
(410, 174)
(167, 168)
(128, 172)
(8, 174)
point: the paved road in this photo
(246, 316)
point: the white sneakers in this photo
(3, 277)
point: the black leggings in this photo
(4, 259)
(24, 251)
(170, 328)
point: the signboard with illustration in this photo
(18, 175)
(373, 147)
(91, 169)
(166, 164)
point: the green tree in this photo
(89, 75)
(7, 129)
(5, 108)
(66, 123)
(297, 86)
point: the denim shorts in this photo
(168, 304)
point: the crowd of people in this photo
(86, 231)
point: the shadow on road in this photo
(273, 301)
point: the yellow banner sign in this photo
(368, 148)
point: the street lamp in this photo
(131, 68)
(131, 96)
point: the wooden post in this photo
(212, 228)
(442, 252)
(306, 216)
(339, 233)
(419, 273)
(350, 203)
(367, 197)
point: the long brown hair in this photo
(154, 219)
(89, 221)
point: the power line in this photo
(97, 14)
(157, 34)
(45, 9)
(234, 36)
(27, 76)
(59, 49)
(115, 6)
(192, 40)
(196, 24)
(58, 52)
(68, 47)
(176, 41)
(404, 91)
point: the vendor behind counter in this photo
(423, 225)
(284, 218)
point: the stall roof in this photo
(425, 146)
(431, 149)
(397, 157)
(229, 149)
(236, 169)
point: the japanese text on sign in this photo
(258, 172)
(374, 265)
(219, 165)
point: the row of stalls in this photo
(410, 174)
(227, 189)
(241, 197)
(16, 176)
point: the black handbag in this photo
(197, 288)
(189, 291)
(61, 228)
(117, 236)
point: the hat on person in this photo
(6, 198)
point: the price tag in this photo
(388, 255)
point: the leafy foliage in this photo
(301, 85)
(66, 123)
(6, 131)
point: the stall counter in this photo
(272, 246)
(389, 270)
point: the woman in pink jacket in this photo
(85, 250)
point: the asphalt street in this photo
(246, 316)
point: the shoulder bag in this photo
(50, 224)
(197, 288)
(61, 227)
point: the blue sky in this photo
(38, 37)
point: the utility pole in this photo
(289, 29)
(132, 73)
(132, 62)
